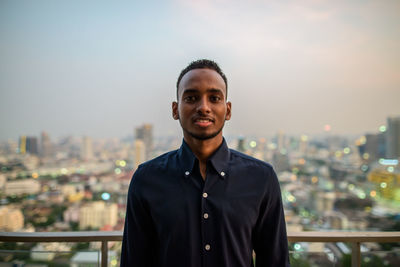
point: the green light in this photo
(253, 144)
(364, 168)
(346, 150)
(382, 129)
(362, 195)
(291, 198)
(117, 170)
(297, 246)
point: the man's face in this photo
(201, 108)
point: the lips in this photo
(203, 122)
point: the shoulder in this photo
(255, 171)
(148, 170)
(246, 160)
(161, 161)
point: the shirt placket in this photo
(205, 226)
(207, 216)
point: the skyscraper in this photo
(87, 148)
(145, 134)
(240, 146)
(393, 137)
(46, 147)
(28, 144)
(140, 152)
(281, 140)
(374, 146)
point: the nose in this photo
(204, 106)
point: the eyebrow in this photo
(211, 90)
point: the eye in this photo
(215, 98)
(189, 99)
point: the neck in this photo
(203, 149)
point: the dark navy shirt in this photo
(176, 219)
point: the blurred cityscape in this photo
(328, 183)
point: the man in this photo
(204, 204)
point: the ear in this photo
(175, 113)
(228, 111)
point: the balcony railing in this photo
(355, 238)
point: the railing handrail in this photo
(98, 236)
(355, 238)
(339, 236)
(76, 236)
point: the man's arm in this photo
(270, 240)
(138, 241)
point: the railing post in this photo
(355, 254)
(104, 253)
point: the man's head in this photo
(201, 105)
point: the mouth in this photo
(203, 122)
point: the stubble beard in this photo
(203, 137)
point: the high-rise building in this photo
(19, 187)
(145, 133)
(140, 153)
(98, 214)
(87, 148)
(303, 144)
(374, 147)
(393, 137)
(46, 147)
(280, 161)
(281, 140)
(28, 144)
(241, 146)
(11, 219)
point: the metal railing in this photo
(355, 238)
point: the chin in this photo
(204, 136)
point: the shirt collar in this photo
(219, 159)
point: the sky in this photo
(101, 68)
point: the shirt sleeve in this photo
(138, 239)
(270, 239)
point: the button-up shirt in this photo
(174, 218)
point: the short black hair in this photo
(202, 64)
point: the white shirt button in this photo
(187, 173)
(207, 247)
(205, 215)
(205, 195)
(222, 174)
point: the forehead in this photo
(202, 79)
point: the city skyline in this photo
(325, 133)
(100, 69)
